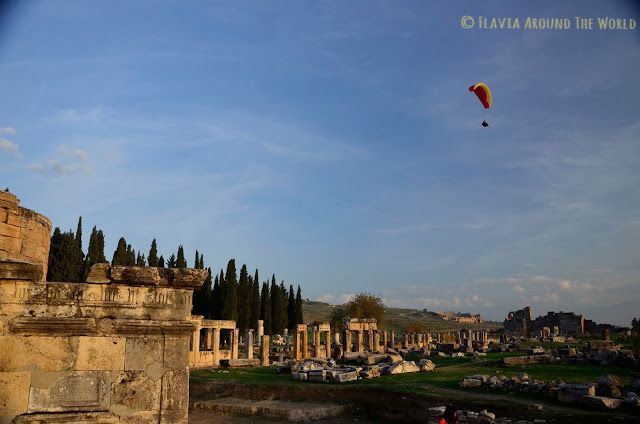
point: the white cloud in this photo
(8, 130)
(336, 299)
(518, 288)
(68, 161)
(8, 146)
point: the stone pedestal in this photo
(264, 352)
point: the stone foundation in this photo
(113, 349)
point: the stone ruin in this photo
(112, 349)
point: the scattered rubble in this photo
(471, 417)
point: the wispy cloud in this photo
(68, 161)
(8, 146)
(8, 130)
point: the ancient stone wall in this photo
(24, 234)
(112, 349)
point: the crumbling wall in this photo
(112, 349)
(24, 235)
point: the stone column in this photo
(297, 340)
(360, 340)
(305, 344)
(393, 340)
(376, 342)
(316, 342)
(248, 345)
(327, 341)
(336, 339)
(264, 354)
(419, 341)
(405, 343)
(216, 346)
(371, 341)
(260, 331)
(196, 344)
(234, 343)
(285, 333)
(347, 341)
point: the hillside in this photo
(396, 318)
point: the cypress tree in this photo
(62, 265)
(255, 302)
(230, 307)
(284, 307)
(265, 308)
(120, 254)
(291, 308)
(244, 300)
(131, 256)
(140, 260)
(95, 251)
(197, 261)
(78, 255)
(222, 294)
(171, 263)
(181, 262)
(215, 299)
(153, 254)
(299, 315)
(161, 262)
(278, 307)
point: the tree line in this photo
(224, 296)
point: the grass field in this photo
(396, 318)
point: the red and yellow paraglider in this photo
(484, 95)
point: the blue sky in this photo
(336, 144)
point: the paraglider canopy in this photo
(484, 94)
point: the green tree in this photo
(140, 259)
(255, 301)
(161, 262)
(291, 308)
(197, 261)
(299, 315)
(181, 262)
(131, 256)
(78, 255)
(152, 259)
(215, 299)
(363, 305)
(171, 263)
(230, 306)
(244, 300)
(278, 307)
(265, 307)
(95, 251)
(635, 337)
(61, 263)
(120, 256)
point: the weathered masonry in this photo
(112, 349)
(206, 346)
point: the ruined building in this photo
(112, 349)
(521, 323)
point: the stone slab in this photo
(101, 353)
(275, 409)
(14, 393)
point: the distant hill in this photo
(397, 319)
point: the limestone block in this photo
(20, 271)
(189, 277)
(601, 402)
(175, 397)
(42, 353)
(471, 382)
(69, 390)
(403, 367)
(68, 418)
(9, 230)
(144, 354)
(99, 273)
(135, 275)
(100, 353)
(14, 393)
(176, 352)
(299, 376)
(344, 377)
(133, 392)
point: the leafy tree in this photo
(215, 299)
(230, 305)
(299, 315)
(95, 252)
(244, 301)
(291, 308)
(255, 301)
(152, 259)
(120, 256)
(265, 308)
(364, 305)
(140, 260)
(278, 307)
(61, 264)
(78, 255)
(181, 262)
